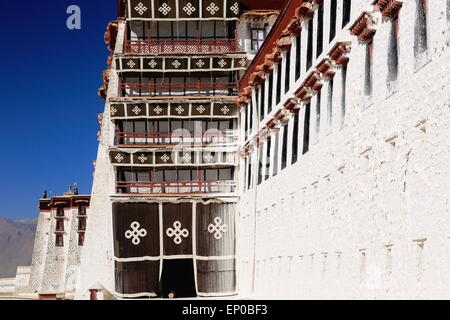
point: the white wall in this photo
(365, 213)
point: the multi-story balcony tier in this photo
(181, 46)
(175, 181)
(176, 132)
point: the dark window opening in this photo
(319, 30)
(257, 37)
(306, 128)
(393, 54)
(333, 13)
(82, 224)
(347, 7)
(59, 225)
(263, 101)
(284, 148)
(420, 28)
(81, 239)
(278, 97)
(59, 241)
(298, 56)
(247, 116)
(249, 182)
(260, 164)
(81, 210)
(368, 85)
(250, 120)
(287, 76)
(275, 153)
(344, 92)
(295, 139)
(330, 103)
(318, 106)
(270, 94)
(448, 22)
(309, 52)
(269, 146)
(60, 212)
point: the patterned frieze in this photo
(170, 10)
(181, 64)
(185, 157)
(173, 110)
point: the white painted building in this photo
(329, 175)
(345, 173)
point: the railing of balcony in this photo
(180, 89)
(181, 46)
(175, 138)
(176, 187)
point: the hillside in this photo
(16, 245)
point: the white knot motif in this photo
(218, 228)
(135, 233)
(177, 233)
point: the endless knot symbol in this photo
(179, 110)
(176, 64)
(208, 157)
(212, 8)
(136, 110)
(189, 8)
(218, 228)
(142, 158)
(243, 62)
(135, 233)
(222, 63)
(177, 232)
(158, 110)
(113, 111)
(140, 8)
(131, 64)
(119, 157)
(200, 63)
(165, 158)
(152, 64)
(235, 8)
(225, 110)
(187, 158)
(164, 9)
(201, 109)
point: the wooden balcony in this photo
(180, 46)
(178, 89)
(164, 139)
(175, 187)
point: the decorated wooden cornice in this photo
(389, 8)
(259, 14)
(181, 64)
(200, 109)
(67, 201)
(285, 42)
(327, 67)
(170, 158)
(293, 105)
(305, 11)
(102, 91)
(340, 53)
(365, 26)
(171, 10)
(287, 26)
(111, 35)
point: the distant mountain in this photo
(16, 245)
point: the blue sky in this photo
(49, 99)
